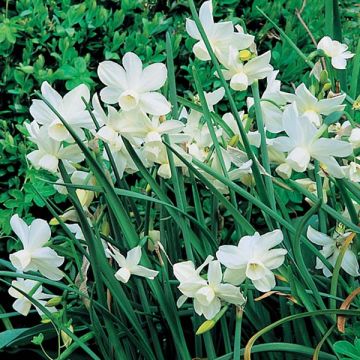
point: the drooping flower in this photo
(22, 304)
(156, 152)
(207, 294)
(302, 144)
(310, 186)
(35, 256)
(71, 107)
(331, 250)
(220, 35)
(130, 265)
(253, 258)
(50, 151)
(309, 106)
(242, 75)
(133, 87)
(336, 51)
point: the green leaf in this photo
(8, 336)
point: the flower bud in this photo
(53, 221)
(54, 301)
(205, 326)
(327, 86)
(66, 339)
(234, 140)
(284, 170)
(105, 228)
(324, 77)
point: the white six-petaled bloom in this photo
(242, 75)
(271, 101)
(302, 144)
(22, 304)
(207, 294)
(336, 51)
(220, 35)
(130, 265)
(71, 107)
(331, 250)
(308, 105)
(35, 256)
(254, 259)
(133, 87)
(50, 151)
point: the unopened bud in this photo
(54, 301)
(324, 76)
(234, 140)
(53, 221)
(205, 326)
(327, 86)
(105, 228)
(66, 339)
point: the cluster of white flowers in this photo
(252, 259)
(296, 135)
(35, 256)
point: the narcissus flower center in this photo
(245, 55)
(129, 100)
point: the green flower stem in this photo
(263, 146)
(238, 326)
(214, 139)
(320, 195)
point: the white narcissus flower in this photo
(158, 127)
(352, 171)
(272, 114)
(71, 107)
(131, 124)
(310, 186)
(340, 130)
(243, 75)
(336, 51)
(253, 136)
(354, 138)
(130, 265)
(156, 152)
(302, 144)
(50, 151)
(331, 250)
(207, 294)
(220, 35)
(34, 256)
(22, 304)
(254, 259)
(308, 105)
(133, 87)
